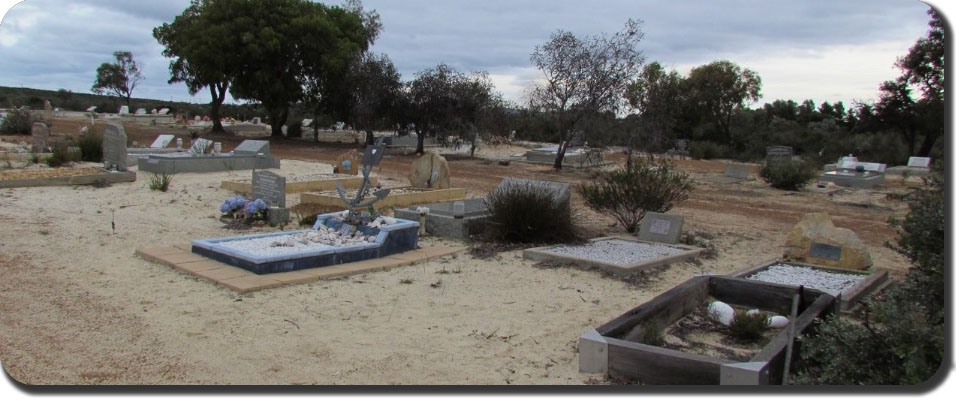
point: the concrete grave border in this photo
(542, 254)
(348, 182)
(104, 177)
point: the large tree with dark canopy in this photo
(584, 77)
(119, 78)
(717, 91)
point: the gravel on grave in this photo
(832, 283)
(290, 244)
(617, 251)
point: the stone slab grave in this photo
(180, 257)
(140, 111)
(162, 141)
(245, 157)
(620, 255)
(114, 147)
(916, 161)
(430, 171)
(458, 220)
(779, 154)
(270, 187)
(618, 348)
(124, 110)
(560, 191)
(738, 171)
(847, 286)
(661, 228)
(917, 166)
(40, 133)
(573, 157)
(348, 163)
(855, 179)
(816, 240)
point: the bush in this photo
(524, 213)
(17, 122)
(748, 327)
(707, 150)
(60, 156)
(628, 193)
(160, 182)
(293, 129)
(790, 176)
(91, 147)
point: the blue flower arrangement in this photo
(232, 205)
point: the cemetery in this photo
(302, 183)
(454, 219)
(202, 158)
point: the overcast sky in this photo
(825, 50)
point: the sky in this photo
(824, 50)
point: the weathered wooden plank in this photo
(763, 295)
(666, 308)
(775, 352)
(655, 365)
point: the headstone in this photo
(256, 120)
(124, 110)
(916, 161)
(153, 111)
(306, 122)
(348, 163)
(816, 240)
(164, 111)
(779, 154)
(200, 146)
(577, 139)
(114, 147)
(662, 228)
(268, 186)
(430, 171)
(47, 106)
(40, 133)
(875, 167)
(253, 147)
(560, 191)
(162, 141)
(179, 143)
(141, 111)
(91, 109)
(682, 145)
(737, 170)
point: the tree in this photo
(119, 78)
(375, 85)
(201, 42)
(432, 100)
(657, 99)
(476, 102)
(718, 90)
(584, 76)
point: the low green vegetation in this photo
(160, 182)
(526, 213)
(789, 176)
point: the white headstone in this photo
(91, 109)
(124, 110)
(200, 146)
(916, 161)
(141, 111)
(164, 111)
(162, 141)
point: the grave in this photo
(114, 147)
(573, 157)
(916, 166)
(661, 228)
(853, 174)
(847, 286)
(398, 198)
(162, 141)
(307, 183)
(779, 154)
(620, 255)
(270, 187)
(140, 111)
(159, 146)
(817, 241)
(245, 157)
(40, 133)
(738, 171)
(459, 219)
(619, 348)
(348, 163)
(430, 171)
(124, 110)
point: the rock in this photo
(348, 163)
(816, 240)
(40, 133)
(430, 171)
(721, 312)
(777, 321)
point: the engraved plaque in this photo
(825, 251)
(660, 227)
(270, 187)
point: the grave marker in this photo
(825, 251)
(268, 186)
(124, 110)
(40, 133)
(779, 154)
(430, 171)
(114, 147)
(162, 141)
(916, 161)
(737, 170)
(662, 228)
(253, 147)
(164, 111)
(200, 146)
(141, 111)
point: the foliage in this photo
(707, 150)
(789, 176)
(294, 128)
(91, 146)
(748, 326)
(718, 90)
(628, 193)
(584, 77)
(657, 98)
(160, 182)
(525, 213)
(654, 334)
(900, 337)
(17, 122)
(119, 78)
(60, 156)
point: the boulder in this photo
(816, 240)
(430, 171)
(348, 163)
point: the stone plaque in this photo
(270, 187)
(916, 161)
(823, 250)
(662, 228)
(162, 141)
(124, 110)
(779, 154)
(40, 133)
(200, 146)
(737, 170)
(253, 147)
(114, 147)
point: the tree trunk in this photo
(218, 92)
(315, 125)
(278, 117)
(928, 143)
(474, 142)
(369, 137)
(421, 143)
(559, 157)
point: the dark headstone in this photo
(779, 154)
(114, 147)
(823, 250)
(268, 186)
(373, 155)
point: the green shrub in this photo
(707, 150)
(628, 193)
(17, 122)
(293, 129)
(91, 147)
(748, 327)
(790, 176)
(60, 156)
(160, 182)
(525, 213)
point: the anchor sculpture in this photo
(371, 158)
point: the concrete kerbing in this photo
(107, 177)
(542, 254)
(592, 353)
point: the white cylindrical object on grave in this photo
(458, 209)
(179, 143)
(217, 147)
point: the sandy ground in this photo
(78, 307)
